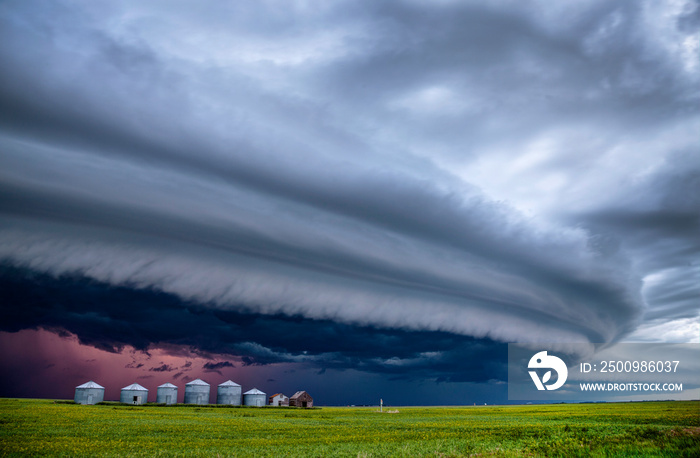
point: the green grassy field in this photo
(42, 427)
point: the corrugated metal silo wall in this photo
(196, 394)
(89, 395)
(258, 400)
(133, 397)
(166, 395)
(230, 395)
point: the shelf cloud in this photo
(387, 176)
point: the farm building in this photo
(134, 394)
(197, 392)
(254, 397)
(279, 400)
(166, 394)
(229, 393)
(301, 399)
(89, 393)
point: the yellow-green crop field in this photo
(47, 428)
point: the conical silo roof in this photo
(167, 385)
(90, 384)
(134, 387)
(254, 391)
(229, 383)
(197, 382)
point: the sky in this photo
(361, 199)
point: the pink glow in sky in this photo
(55, 365)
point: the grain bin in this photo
(134, 394)
(89, 393)
(254, 397)
(166, 394)
(197, 392)
(229, 393)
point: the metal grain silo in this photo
(89, 393)
(254, 397)
(197, 392)
(229, 393)
(134, 394)
(166, 394)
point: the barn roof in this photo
(90, 384)
(167, 385)
(134, 387)
(278, 394)
(197, 382)
(254, 391)
(229, 383)
(299, 393)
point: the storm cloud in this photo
(142, 318)
(387, 185)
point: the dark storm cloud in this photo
(506, 171)
(215, 367)
(163, 320)
(162, 368)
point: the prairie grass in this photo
(45, 428)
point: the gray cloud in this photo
(658, 220)
(481, 170)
